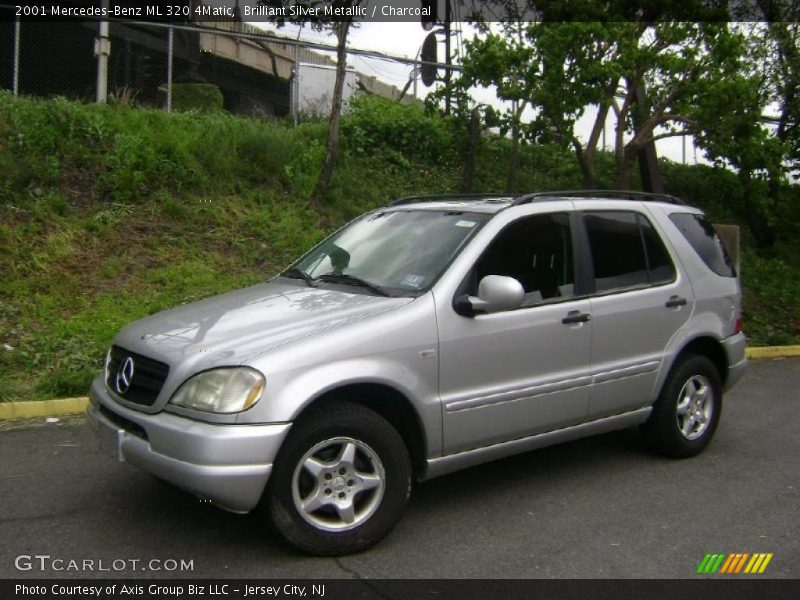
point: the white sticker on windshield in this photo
(412, 280)
(463, 223)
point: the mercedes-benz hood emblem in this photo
(124, 375)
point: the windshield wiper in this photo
(295, 273)
(352, 280)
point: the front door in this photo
(511, 374)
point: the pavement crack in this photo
(347, 569)
(356, 575)
(44, 517)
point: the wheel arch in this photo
(708, 346)
(389, 403)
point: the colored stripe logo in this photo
(735, 563)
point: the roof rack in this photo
(455, 196)
(598, 194)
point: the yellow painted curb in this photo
(42, 408)
(773, 352)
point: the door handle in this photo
(575, 316)
(675, 301)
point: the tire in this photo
(340, 482)
(687, 411)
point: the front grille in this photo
(122, 422)
(148, 376)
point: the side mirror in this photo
(497, 293)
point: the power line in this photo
(375, 54)
(380, 72)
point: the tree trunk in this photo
(332, 148)
(623, 178)
(511, 178)
(468, 176)
(585, 155)
(586, 165)
(754, 213)
(625, 160)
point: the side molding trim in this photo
(470, 458)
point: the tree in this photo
(777, 54)
(741, 140)
(338, 20)
(340, 29)
(560, 69)
(486, 63)
(682, 67)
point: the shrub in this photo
(405, 132)
(202, 97)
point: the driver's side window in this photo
(537, 252)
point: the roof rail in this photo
(598, 194)
(455, 196)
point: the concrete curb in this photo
(72, 406)
(42, 408)
(773, 352)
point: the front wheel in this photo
(687, 412)
(341, 481)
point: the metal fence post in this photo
(170, 39)
(17, 32)
(294, 100)
(102, 48)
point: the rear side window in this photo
(626, 251)
(659, 265)
(701, 236)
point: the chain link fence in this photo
(45, 58)
(232, 64)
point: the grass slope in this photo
(108, 214)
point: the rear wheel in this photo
(687, 412)
(340, 482)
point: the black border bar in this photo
(733, 588)
(199, 11)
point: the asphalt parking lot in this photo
(596, 508)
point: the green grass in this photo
(110, 213)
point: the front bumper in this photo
(227, 464)
(737, 362)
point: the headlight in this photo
(226, 390)
(105, 365)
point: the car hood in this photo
(230, 328)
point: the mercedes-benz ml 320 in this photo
(426, 336)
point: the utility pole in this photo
(447, 58)
(102, 48)
(683, 149)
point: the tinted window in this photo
(660, 267)
(537, 252)
(626, 251)
(617, 250)
(705, 241)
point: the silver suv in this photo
(424, 337)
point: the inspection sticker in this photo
(412, 280)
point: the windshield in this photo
(395, 252)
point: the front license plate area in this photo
(110, 441)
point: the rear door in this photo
(639, 301)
